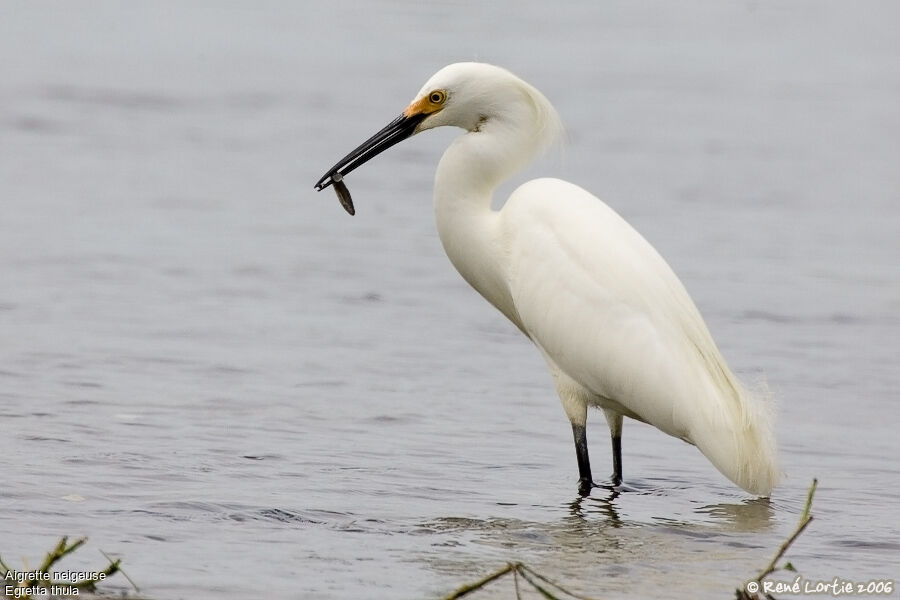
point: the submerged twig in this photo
(551, 582)
(476, 585)
(805, 519)
(527, 573)
(537, 586)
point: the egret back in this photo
(600, 302)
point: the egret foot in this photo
(585, 486)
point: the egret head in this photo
(474, 96)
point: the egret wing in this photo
(599, 301)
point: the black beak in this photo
(397, 130)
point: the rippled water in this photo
(216, 374)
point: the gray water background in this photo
(216, 374)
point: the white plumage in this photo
(617, 328)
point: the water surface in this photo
(217, 375)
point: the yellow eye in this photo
(437, 97)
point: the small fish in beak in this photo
(396, 131)
(342, 192)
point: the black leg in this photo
(617, 459)
(585, 482)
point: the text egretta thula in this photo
(614, 323)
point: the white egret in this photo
(613, 322)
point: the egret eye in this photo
(437, 97)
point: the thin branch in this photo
(809, 496)
(119, 569)
(546, 594)
(91, 583)
(805, 519)
(42, 576)
(471, 587)
(553, 583)
(62, 548)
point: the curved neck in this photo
(471, 168)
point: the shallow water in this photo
(217, 375)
